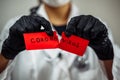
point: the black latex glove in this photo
(26, 24)
(91, 28)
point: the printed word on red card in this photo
(40, 40)
(73, 44)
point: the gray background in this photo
(107, 10)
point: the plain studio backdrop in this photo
(107, 10)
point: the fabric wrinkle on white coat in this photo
(61, 70)
(42, 64)
(116, 67)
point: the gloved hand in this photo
(26, 24)
(91, 28)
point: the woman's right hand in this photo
(26, 24)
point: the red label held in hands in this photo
(40, 40)
(73, 44)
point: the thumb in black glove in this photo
(91, 28)
(26, 24)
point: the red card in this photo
(40, 40)
(73, 44)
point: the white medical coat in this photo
(46, 65)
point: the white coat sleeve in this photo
(116, 60)
(3, 35)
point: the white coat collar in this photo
(53, 53)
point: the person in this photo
(16, 63)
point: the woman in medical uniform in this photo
(55, 64)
